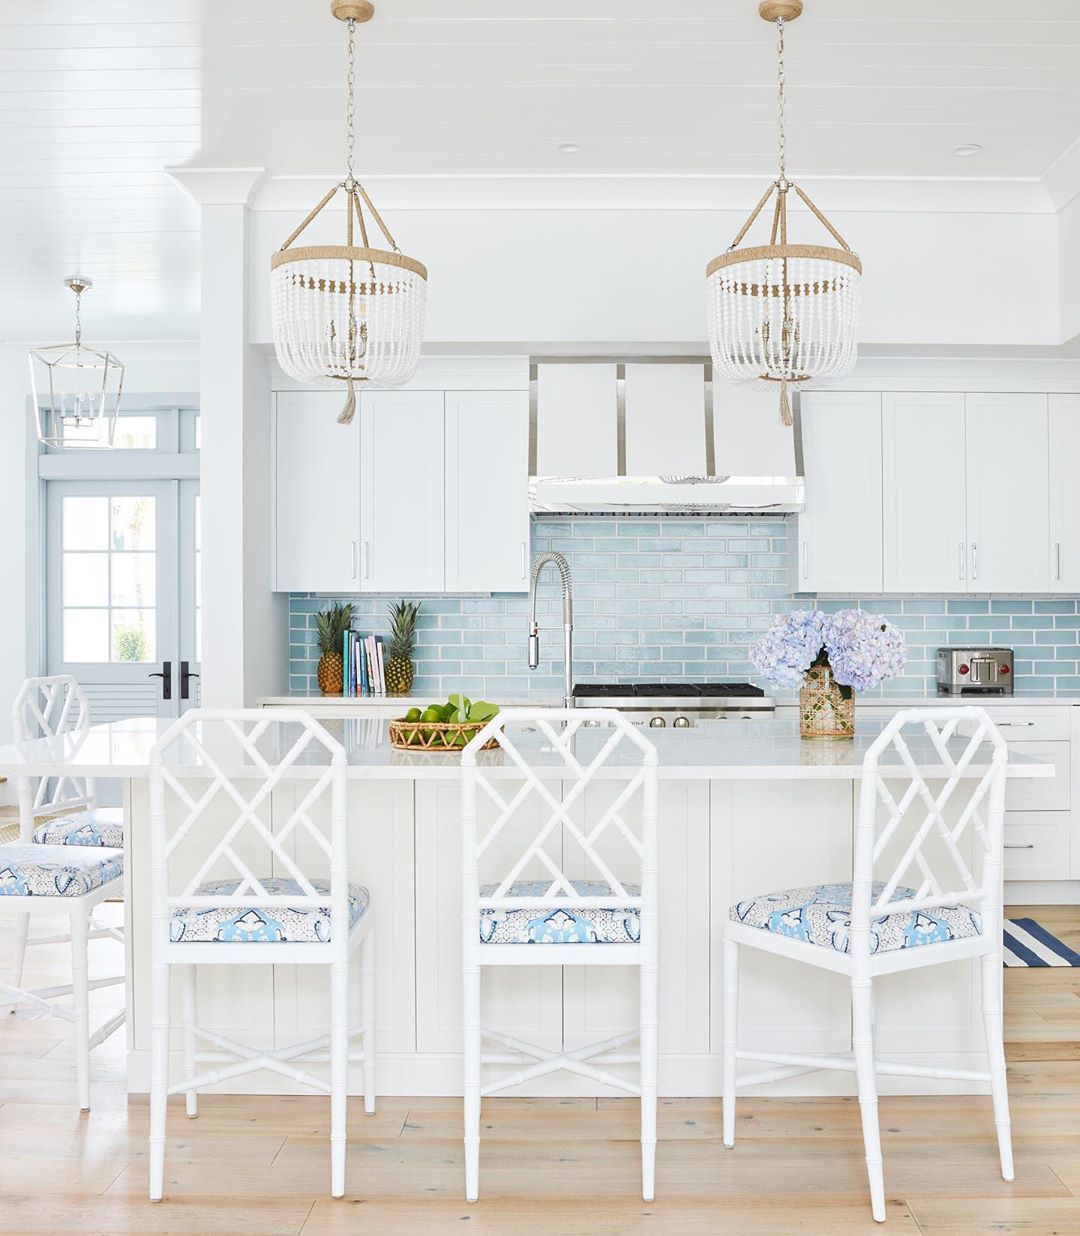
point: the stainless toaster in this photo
(975, 671)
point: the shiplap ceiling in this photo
(97, 97)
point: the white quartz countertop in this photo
(722, 750)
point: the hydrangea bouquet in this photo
(829, 657)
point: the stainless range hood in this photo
(653, 436)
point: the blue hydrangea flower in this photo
(789, 647)
(863, 649)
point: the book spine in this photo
(361, 669)
(382, 664)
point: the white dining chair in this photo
(245, 806)
(600, 918)
(922, 807)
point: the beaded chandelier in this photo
(783, 312)
(348, 314)
(76, 388)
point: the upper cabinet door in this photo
(924, 506)
(316, 494)
(840, 530)
(1064, 493)
(1008, 522)
(401, 491)
(487, 491)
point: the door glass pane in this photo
(133, 579)
(133, 632)
(86, 579)
(133, 523)
(86, 523)
(86, 635)
(198, 572)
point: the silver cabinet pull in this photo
(355, 560)
(1057, 559)
(1030, 846)
(963, 556)
(974, 561)
(805, 561)
(1016, 725)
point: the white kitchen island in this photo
(745, 808)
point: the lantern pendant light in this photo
(782, 312)
(76, 388)
(348, 316)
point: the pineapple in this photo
(330, 626)
(399, 670)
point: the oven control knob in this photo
(681, 723)
(963, 669)
(656, 723)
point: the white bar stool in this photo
(232, 763)
(517, 921)
(872, 927)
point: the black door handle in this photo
(166, 679)
(185, 680)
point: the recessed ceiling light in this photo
(967, 151)
(568, 147)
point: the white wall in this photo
(636, 277)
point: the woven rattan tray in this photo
(449, 736)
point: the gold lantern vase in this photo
(824, 710)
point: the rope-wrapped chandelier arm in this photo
(783, 312)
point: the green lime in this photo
(413, 714)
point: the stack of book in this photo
(364, 664)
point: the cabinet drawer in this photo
(1044, 793)
(1037, 845)
(1043, 724)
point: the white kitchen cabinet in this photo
(924, 492)
(840, 544)
(316, 494)
(1007, 500)
(402, 491)
(487, 491)
(1064, 427)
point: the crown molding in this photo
(1062, 177)
(631, 192)
(218, 186)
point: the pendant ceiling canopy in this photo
(76, 388)
(348, 315)
(783, 312)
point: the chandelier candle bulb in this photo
(781, 312)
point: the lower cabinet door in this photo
(767, 837)
(601, 1001)
(525, 1001)
(381, 859)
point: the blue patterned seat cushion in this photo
(103, 826)
(563, 925)
(56, 870)
(821, 914)
(276, 925)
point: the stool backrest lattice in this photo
(562, 834)
(920, 810)
(213, 777)
(54, 708)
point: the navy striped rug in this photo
(1027, 943)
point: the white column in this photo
(245, 625)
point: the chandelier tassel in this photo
(785, 404)
(345, 416)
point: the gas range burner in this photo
(680, 703)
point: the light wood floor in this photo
(259, 1166)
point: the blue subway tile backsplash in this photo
(677, 600)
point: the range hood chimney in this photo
(654, 436)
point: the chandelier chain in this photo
(350, 103)
(780, 83)
(78, 316)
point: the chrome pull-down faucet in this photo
(563, 567)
